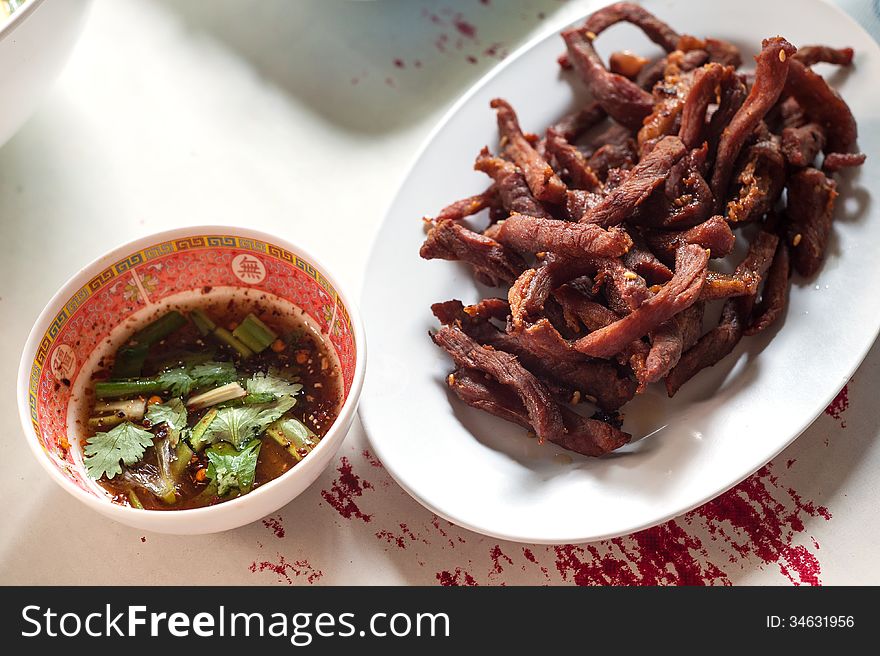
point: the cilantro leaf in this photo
(172, 414)
(181, 381)
(213, 373)
(262, 383)
(237, 425)
(176, 381)
(104, 451)
(229, 468)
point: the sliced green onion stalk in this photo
(294, 436)
(159, 329)
(130, 358)
(256, 335)
(199, 429)
(133, 499)
(115, 388)
(113, 413)
(202, 322)
(181, 460)
(129, 361)
(133, 409)
(231, 340)
(249, 399)
(217, 395)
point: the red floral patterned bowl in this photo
(92, 314)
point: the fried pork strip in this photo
(647, 176)
(573, 161)
(774, 293)
(676, 295)
(733, 95)
(760, 180)
(461, 209)
(512, 188)
(725, 285)
(537, 345)
(714, 234)
(773, 63)
(800, 145)
(543, 412)
(589, 437)
(721, 340)
(810, 210)
(530, 234)
(573, 125)
(702, 93)
(579, 309)
(493, 263)
(824, 106)
(809, 55)
(670, 340)
(623, 99)
(833, 162)
(532, 289)
(625, 290)
(654, 28)
(640, 259)
(544, 184)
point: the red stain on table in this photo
(759, 524)
(288, 571)
(497, 556)
(464, 28)
(345, 489)
(370, 458)
(458, 577)
(755, 523)
(839, 405)
(400, 540)
(274, 524)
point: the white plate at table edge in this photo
(413, 470)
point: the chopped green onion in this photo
(217, 395)
(133, 499)
(159, 329)
(130, 361)
(230, 340)
(132, 410)
(181, 460)
(249, 399)
(115, 388)
(256, 335)
(294, 436)
(203, 322)
(199, 429)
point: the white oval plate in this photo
(483, 473)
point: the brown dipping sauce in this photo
(305, 356)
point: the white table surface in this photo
(176, 112)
